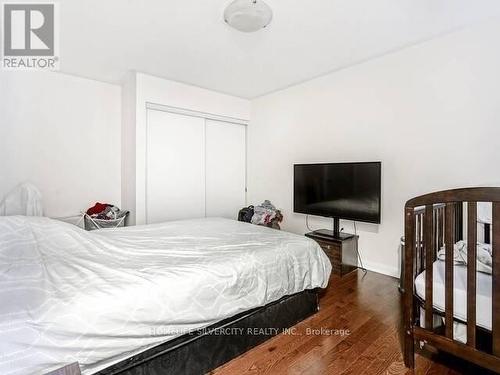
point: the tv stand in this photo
(336, 233)
(329, 234)
(336, 227)
(341, 249)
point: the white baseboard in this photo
(381, 268)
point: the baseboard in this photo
(381, 268)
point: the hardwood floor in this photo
(364, 313)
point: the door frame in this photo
(190, 112)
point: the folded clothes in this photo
(484, 258)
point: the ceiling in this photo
(187, 40)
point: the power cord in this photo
(307, 224)
(357, 249)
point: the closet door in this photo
(175, 174)
(225, 168)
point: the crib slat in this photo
(471, 272)
(434, 230)
(409, 281)
(437, 222)
(419, 244)
(417, 238)
(422, 248)
(496, 279)
(448, 284)
(459, 228)
(440, 228)
(429, 259)
(487, 233)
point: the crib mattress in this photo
(483, 293)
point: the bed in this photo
(451, 287)
(104, 297)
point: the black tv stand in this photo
(336, 234)
(329, 234)
(342, 250)
(336, 227)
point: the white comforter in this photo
(68, 295)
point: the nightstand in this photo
(342, 252)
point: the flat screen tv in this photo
(349, 191)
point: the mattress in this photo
(483, 292)
(100, 297)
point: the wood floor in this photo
(368, 306)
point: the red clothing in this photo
(97, 208)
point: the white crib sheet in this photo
(483, 295)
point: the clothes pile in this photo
(484, 255)
(103, 215)
(104, 211)
(265, 214)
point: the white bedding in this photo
(483, 293)
(69, 295)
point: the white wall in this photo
(63, 134)
(430, 113)
(154, 90)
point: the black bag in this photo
(246, 214)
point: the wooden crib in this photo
(431, 221)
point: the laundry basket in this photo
(91, 223)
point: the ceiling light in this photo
(248, 15)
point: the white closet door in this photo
(175, 167)
(225, 168)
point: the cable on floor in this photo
(357, 249)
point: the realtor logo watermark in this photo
(30, 36)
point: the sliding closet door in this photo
(175, 167)
(225, 168)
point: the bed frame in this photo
(431, 221)
(204, 350)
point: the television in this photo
(349, 191)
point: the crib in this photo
(438, 220)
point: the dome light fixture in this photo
(248, 15)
